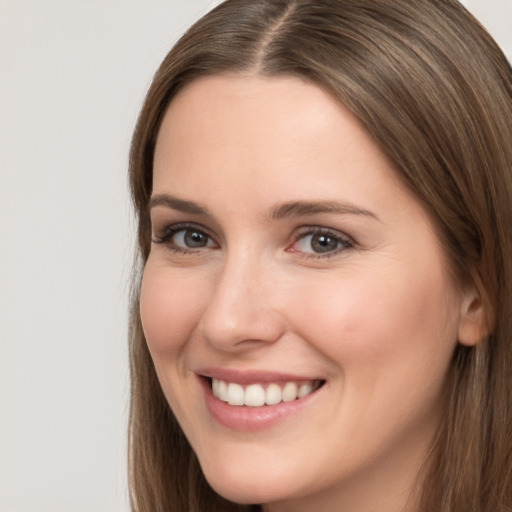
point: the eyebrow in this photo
(305, 208)
(282, 211)
(180, 205)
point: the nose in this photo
(242, 311)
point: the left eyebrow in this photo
(305, 208)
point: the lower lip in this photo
(252, 418)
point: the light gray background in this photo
(73, 74)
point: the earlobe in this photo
(472, 326)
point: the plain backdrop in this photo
(73, 74)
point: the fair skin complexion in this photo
(285, 248)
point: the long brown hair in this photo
(435, 92)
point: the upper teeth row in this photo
(255, 395)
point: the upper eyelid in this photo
(169, 230)
(161, 223)
(304, 229)
(179, 226)
(307, 230)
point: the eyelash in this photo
(344, 242)
(170, 231)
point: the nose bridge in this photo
(241, 306)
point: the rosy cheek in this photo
(169, 312)
(339, 315)
(364, 318)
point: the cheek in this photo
(390, 343)
(369, 319)
(170, 308)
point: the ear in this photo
(472, 326)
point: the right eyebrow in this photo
(177, 204)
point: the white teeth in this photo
(215, 386)
(255, 395)
(235, 394)
(222, 390)
(273, 394)
(305, 390)
(289, 392)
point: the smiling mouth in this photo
(258, 395)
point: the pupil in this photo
(195, 239)
(323, 243)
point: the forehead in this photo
(250, 106)
(281, 130)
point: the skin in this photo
(377, 317)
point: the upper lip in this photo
(252, 376)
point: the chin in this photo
(248, 487)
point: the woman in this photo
(323, 194)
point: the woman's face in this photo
(289, 265)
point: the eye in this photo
(191, 239)
(185, 238)
(321, 241)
